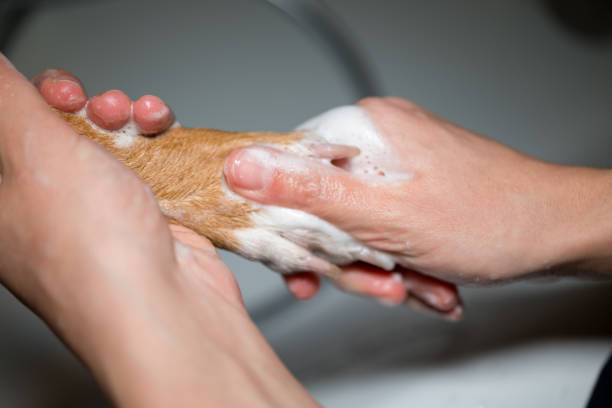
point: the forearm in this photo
(169, 345)
(158, 335)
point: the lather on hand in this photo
(472, 210)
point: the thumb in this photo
(269, 176)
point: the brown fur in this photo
(184, 169)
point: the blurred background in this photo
(536, 75)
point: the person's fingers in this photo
(362, 279)
(61, 89)
(152, 115)
(200, 263)
(391, 288)
(453, 315)
(402, 286)
(110, 110)
(302, 285)
(437, 294)
(269, 176)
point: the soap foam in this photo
(280, 237)
(122, 138)
(350, 125)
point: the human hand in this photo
(85, 245)
(468, 210)
(54, 183)
(111, 110)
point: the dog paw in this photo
(112, 111)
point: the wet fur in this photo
(184, 169)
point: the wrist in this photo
(580, 225)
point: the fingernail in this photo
(250, 169)
(430, 299)
(456, 314)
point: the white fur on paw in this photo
(287, 240)
(122, 138)
(278, 253)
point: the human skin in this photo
(155, 315)
(159, 319)
(474, 210)
(148, 307)
(111, 110)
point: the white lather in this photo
(289, 240)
